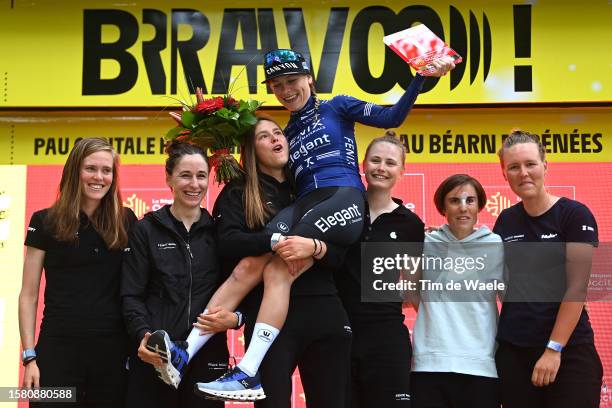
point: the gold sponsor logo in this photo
(137, 205)
(497, 203)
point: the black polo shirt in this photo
(400, 225)
(82, 280)
(529, 324)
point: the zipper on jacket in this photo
(190, 284)
(190, 258)
(188, 246)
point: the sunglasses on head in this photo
(277, 56)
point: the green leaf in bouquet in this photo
(189, 119)
(253, 105)
(243, 105)
(174, 132)
(203, 139)
(207, 136)
(227, 114)
(225, 130)
(247, 120)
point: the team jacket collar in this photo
(162, 217)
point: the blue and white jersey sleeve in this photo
(375, 115)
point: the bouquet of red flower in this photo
(217, 124)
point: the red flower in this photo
(231, 101)
(210, 105)
(184, 138)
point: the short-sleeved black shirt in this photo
(399, 225)
(529, 324)
(82, 280)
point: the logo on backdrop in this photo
(137, 204)
(497, 203)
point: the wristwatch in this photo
(276, 238)
(553, 345)
(27, 356)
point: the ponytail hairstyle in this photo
(64, 217)
(317, 101)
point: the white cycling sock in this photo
(263, 337)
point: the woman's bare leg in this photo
(245, 276)
(272, 312)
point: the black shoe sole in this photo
(157, 344)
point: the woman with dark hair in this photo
(79, 243)
(546, 355)
(241, 212)
(454, 335)
(169, 272)
(330, 196)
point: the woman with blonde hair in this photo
(79, 243)
(546, 355)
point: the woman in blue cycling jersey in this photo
(329, 207)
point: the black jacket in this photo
(236, 240)
(168, 276)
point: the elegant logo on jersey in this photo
(137, 205)
(304, 149)
(497, 203)
(548, 236)
(265, 335)
(587, 228)
(282, 226)
(343, 217)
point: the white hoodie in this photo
(451, 335)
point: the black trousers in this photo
(316, 338)
(380, 365)
(453, 390)
(146, 390)
(94, 365)
(578, 382)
